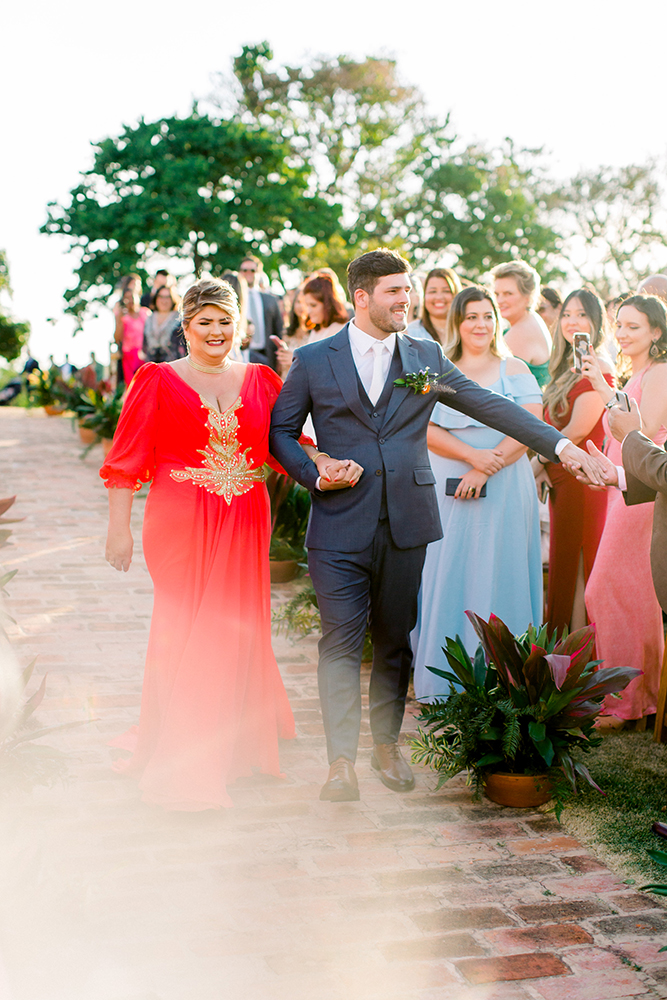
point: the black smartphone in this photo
(581, 345)
(451, 485)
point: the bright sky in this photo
(579, 77)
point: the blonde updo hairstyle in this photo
(526, 277)
(210, 292)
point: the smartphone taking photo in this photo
(581, 346)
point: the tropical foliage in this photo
(523, 704)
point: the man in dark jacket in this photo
(366, 545)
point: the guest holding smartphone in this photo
(488, 559)
(620, 598)
(576, 514)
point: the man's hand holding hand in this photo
(609, 470)
(337, 474)
(621, 423)
(575, 460)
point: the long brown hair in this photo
(454, 285)
(322, 288)
(457, 312)
(560, 366)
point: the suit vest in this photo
(377, 412)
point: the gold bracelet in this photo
(318, 454)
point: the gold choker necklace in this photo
(211, 369)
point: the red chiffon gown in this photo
(213, 704)
(576, 516)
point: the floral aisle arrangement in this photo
(523, 705)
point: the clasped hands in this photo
(337, 474)
(485, 463)
(620, 424)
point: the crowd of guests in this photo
(516, 338)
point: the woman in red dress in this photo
(577, 514)
(213, 704)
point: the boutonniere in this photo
(423, 381)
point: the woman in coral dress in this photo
(576, 513)
(620, 596)
(213, 704)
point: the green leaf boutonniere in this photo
(423, 381)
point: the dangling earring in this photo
(654, 350)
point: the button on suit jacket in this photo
(645, 465)
(323, 382)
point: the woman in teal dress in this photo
(517, 290)
(488, 560)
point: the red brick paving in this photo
(422, 896)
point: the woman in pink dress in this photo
(620, 597)
(131, 319)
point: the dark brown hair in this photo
(560, 366)
(454, 285)
(175, 300)
(653, 307)
(322, 288)
(365, 271)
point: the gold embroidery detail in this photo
(226, 470)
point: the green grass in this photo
(632, 770)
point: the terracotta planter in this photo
(86, 435)
(521, 791)
(54, 411)
(283, 570)
(106, 445)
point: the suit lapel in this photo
(345, 373)
(409, 363)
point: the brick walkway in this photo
(426, 895)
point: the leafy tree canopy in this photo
(485, 206)
(353, 122)
(198, 188)
(13, 334)
(400, 174)
(615, 225)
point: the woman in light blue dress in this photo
(489, 559)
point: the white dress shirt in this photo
(363, 354)
(256, 313)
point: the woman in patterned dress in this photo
(213, 703)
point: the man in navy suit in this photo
(366, 543)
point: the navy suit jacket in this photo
(323, 381)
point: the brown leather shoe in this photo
(392, 767)
(341, 785)
(660, 829)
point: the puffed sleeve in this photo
(274, 384)
(131, 461)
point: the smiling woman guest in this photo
(620, 597)
(163, 339)
(213, 703)
(576, 514)
(517, 288)
(489, 558)
(440, 287)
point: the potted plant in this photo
(105, 413)
(49, 389)
(524, 712)
(290, 510)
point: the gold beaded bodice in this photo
(226, 470)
